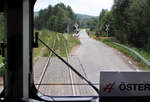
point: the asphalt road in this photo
(96, 57)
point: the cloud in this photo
(91, 7)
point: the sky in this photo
(90, 7)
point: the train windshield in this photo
(91, 36)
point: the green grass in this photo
(65, 40)
(92, 36)
(1, 59)
(129, 53)
(2, 70)
(46, 36)
(145, 54)
(91, 33)
(71, 41)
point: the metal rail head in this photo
(46, 66)
(70, 73)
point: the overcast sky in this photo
(90, 7)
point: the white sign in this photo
(124, 84)
(107, 27)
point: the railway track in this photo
(48, 63)
(70, 72)
(46, 66)
(57, 79)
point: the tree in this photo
(121, 19)
(129, 22)
(140, 23)
(56, 18)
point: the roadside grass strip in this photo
(130, 54)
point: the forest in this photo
(58, 18)
(129, 22)
(87, 21)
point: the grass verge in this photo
(61, 40)
(128, 53)
(145, 54)
(2, 70)
(71, 41)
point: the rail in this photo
(46, 66)
(70, 67)
(136, 53)
(70, 72)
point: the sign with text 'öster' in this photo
(124, 84)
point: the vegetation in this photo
(86, 21)
(46, 36)
(52, 23)
(58, 18)
(145, 54)
(129, 22)
(0, 59)
(71, 41)
(83, 16)
(62, 40)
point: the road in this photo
(96, 56)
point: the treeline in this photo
(86, 21)
(58, 18)
(129, 22)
